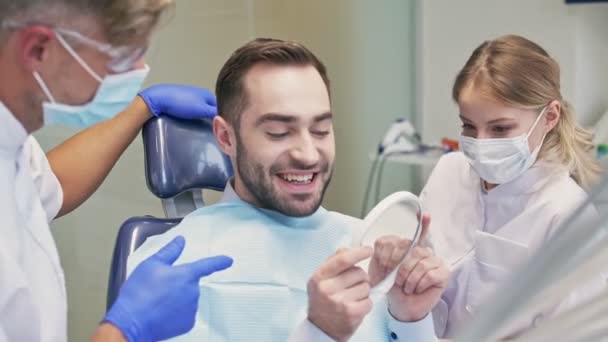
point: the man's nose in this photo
(306, 152)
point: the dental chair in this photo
(182, 159)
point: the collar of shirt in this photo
(529, 182)
(12, 134)
(229, 194)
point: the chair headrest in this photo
(183, 155)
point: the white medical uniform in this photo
(485, 235)
(33, 304)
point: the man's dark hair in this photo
(231, 94)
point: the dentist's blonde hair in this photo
(519, 73)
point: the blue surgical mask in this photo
(115, 93)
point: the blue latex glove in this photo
(159, 301)
(180, 101)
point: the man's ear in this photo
(552, 114)
(225, 136)
(34, 44)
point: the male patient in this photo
(294, 276)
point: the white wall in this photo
(591, 62)
(450, 30)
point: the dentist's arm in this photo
(108, 333)
(82, 162)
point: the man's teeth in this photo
(298, 179)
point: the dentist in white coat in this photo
(79, 62)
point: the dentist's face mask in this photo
(499, 161)
(115, 92)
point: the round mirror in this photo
(392, 228)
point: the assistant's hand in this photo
(420, 281)
(180, 101)
(159, 301)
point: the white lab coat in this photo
(33, 305)
(485, 235)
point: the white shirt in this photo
(399, 331)
(33, 305)
(485, 235)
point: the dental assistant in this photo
(525, 166)
(80, 63)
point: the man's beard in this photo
(260, 185)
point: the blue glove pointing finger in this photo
(180, 101)
(159, 301)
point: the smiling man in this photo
(276, 124)
(294, 276)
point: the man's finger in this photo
(418, 272)
(356, 293)
(432, 278)
(382, 254)
(399, 253)
(344, 260)
(426, 222)
(346, 279)
(361, 307)
(408, 265)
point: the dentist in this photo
(80, 63)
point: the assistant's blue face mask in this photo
(115, 93)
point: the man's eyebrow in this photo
(323, 117)
(284, 118)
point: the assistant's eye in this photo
(468, 129)
(501, 129)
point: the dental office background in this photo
(387, 59)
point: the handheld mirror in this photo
(392, 228)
